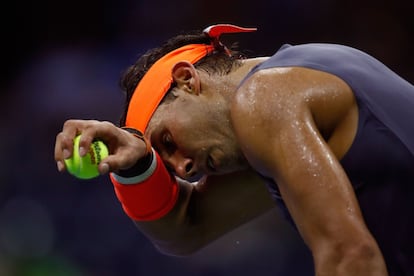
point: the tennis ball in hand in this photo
(86, 167)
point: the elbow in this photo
(363, 254)
(182, 243)
(361, 257)
(178, 249)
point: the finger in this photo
(114, 163)
(91, 130)
(63, 150)
(85, 141)
(124, 158)
(104, 168)
(97, 130)
(71, 129)
(64, 146)
(58, 153)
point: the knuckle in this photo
(72, 123)
(67, 124)
(59, 136)
(67, 141)
(106, 124)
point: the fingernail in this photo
(104, 168)
(82, 151)
(60, 166)
(66, 153)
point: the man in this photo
(327, 127)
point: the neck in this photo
(248, 64)
(228, 84)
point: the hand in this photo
(124, 148)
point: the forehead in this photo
(155, 121)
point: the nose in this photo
(183, 166)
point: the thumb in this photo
(104, 167)
(116, 162)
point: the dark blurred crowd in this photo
(64, 59)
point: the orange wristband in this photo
(148, 196)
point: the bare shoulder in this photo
(268, 89)
(275, 99)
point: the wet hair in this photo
(218, 62)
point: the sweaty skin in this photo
(307, 121)
(306, 125)
(291, 125)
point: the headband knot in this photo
(215, 31)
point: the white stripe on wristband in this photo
(138, 178)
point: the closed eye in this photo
(210, 164)
(168, 143)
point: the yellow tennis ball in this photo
(86, 167)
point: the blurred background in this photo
(63, 60)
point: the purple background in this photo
(63, 60)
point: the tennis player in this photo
(207, 134)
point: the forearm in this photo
(172, 233)
(153, 198)
(207, 210)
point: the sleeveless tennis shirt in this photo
(380, 162)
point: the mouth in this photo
(195, 178)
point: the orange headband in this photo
(157, 81)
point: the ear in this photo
(186, 77)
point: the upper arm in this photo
(279, 136)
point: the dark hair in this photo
(218, 62)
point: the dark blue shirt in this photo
(380, 162)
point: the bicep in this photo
(313, 184)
